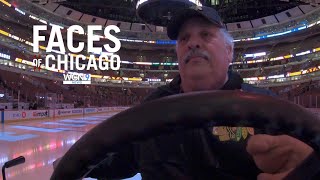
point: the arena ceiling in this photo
(230, 10)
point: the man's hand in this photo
(276, 156)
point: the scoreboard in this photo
(159, 12)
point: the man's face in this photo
(203, 54)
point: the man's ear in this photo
(229, 53)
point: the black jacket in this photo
(192, 154)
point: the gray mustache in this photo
(195, 53)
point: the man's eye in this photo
(183, 39)
(205, 34)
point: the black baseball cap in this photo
(180, 17)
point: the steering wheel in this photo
(222, 108)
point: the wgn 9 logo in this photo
(76, 78)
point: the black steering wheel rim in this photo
(226, 108)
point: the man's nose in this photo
(193, 43)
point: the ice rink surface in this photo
(41, 143)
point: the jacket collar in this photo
(234, 82)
